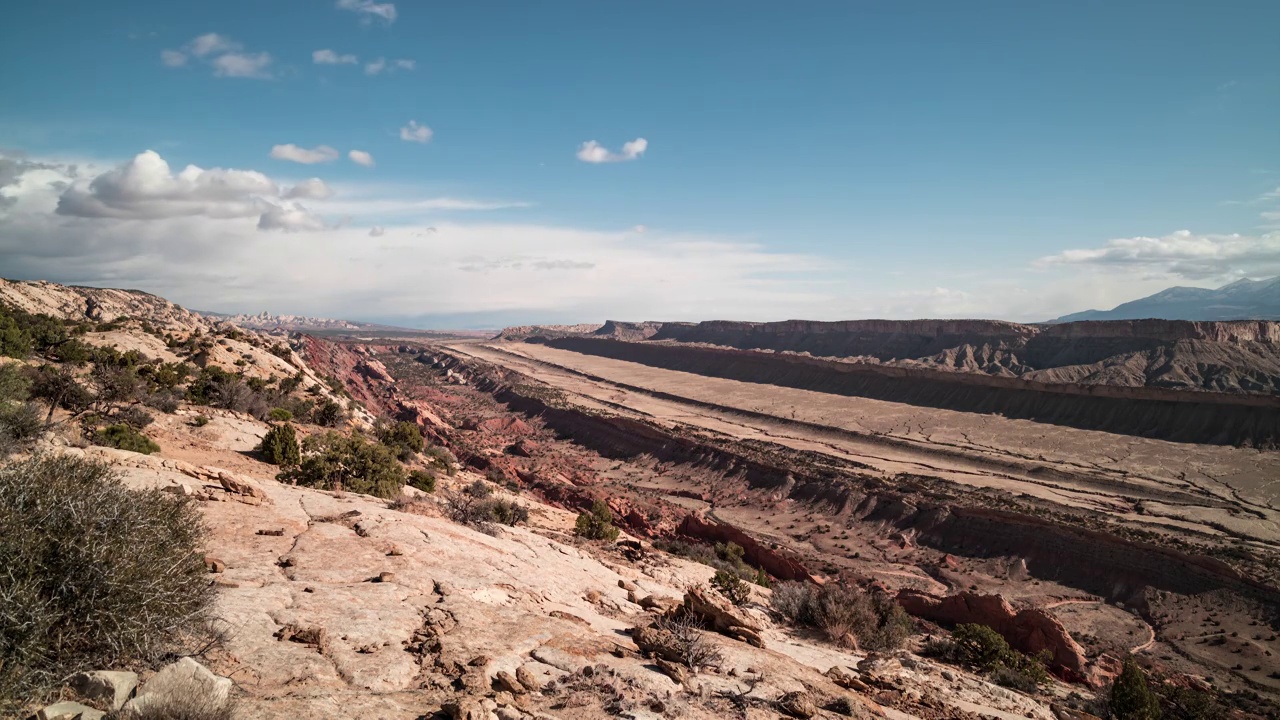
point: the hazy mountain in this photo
(1241, 300)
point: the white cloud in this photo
(413, 132)
(145, 189)
(329, 57)
(1182, 254)
(289, 217)
(641, 229)
(369, 9)
(211, 43)
(293, 153)
(377, 67)
(377, 231)
(173, 58)
(243, 65)
(593, 152)
(224, 55)
(311, 189)
(361, 157)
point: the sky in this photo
(479, 164)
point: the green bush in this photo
(596, 524)
(125, 437)
(981, 648)
(442, 458)
(59, 387)
(347, 462)
(279, 414)
(422, 480)
(95, 574)
(843, 613)
(280, 446)
(732, 586)
(15, 382)
(200, 420)
(403, 438)
(1131, 697)
(329, 414)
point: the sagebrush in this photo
(92, 573)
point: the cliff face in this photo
(96, 304)
(1227, 357)
(1215, 418)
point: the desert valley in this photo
(913, 519)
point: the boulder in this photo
(721, 616)
(656, 642)
(69, 711)
(239, 485)
(185, 684)
(112, 688)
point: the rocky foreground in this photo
(342, 605)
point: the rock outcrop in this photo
(1031, 630)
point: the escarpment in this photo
(1153, 412)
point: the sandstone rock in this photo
(185, 682)
(214, 564)
(661, 604)
(627, 585)
(797, 704)
(467, 708)
(112, 688)
(1031, 630)
(240, 485)
(673, 670)
(722, 617)
(527, 679)
(503, 680)
(656, 642)
(69, 711)
(847, 680)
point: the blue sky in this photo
(819, 159)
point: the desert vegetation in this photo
(596, 523)
(984, 650)
(846, 615)
(94, 573)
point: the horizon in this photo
(481, 165)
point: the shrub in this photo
(19, 423)
(329, 414)
(279, 414)
(689, 642)
(134, 416)
(15, 383)
(403, 438)
(166, 401)
(334, 461)
(732, 587)
(280, 446)
(124, 437)
(1131, 697)
(96, 574)
(983, 649)
(442, 458)
(596, 524)
(844, 614)
(200, 420)
(170, 375)
(422, 480)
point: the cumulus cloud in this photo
(375, 66)
(173, 58)
(224, 55)
(377, 231)
(146, 189)
(368, 9)
(593, 152)
(293, 153)
(361, 157)
(413, 132)
(406, 64)
(289, 217)
(329, 57)
(380, 65)
(311, 189)
(1181, 254)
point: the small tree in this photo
(732, 587)
(280, 446)
(597, 524)
(124, 437)
(422, 480)
(334, 461)
(403, 438)
(1131, 696)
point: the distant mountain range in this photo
(1241, 300)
